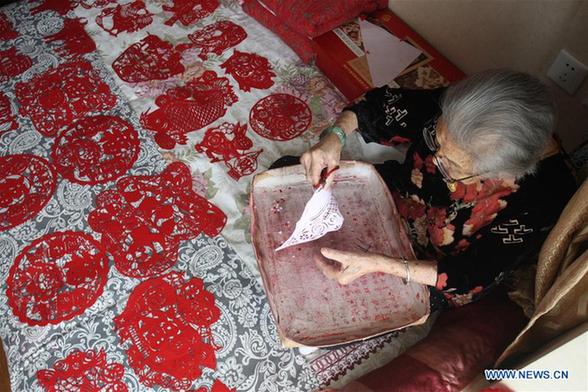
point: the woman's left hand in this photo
(347, 266)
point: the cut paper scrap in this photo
(387, 55)
(321, 215)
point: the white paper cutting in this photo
(321, 215)
(387, 55)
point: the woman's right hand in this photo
(325, 154)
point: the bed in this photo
(129, 135)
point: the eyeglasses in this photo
(430, 136)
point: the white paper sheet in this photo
(321, 215)
(387, 55)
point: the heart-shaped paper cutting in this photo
(321, 215)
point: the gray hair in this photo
(504, 119)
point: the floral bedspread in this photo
(129, 135)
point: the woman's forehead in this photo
(448, 146)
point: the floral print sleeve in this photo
(393, 116)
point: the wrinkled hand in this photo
(325, 154)
(345, 267)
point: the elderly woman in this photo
(482, 182)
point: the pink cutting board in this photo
(310, 309)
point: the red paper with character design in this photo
(185, 109)
(250, 70)
(96, 149)
(6, 30)
(189, 11)
(13, 64)
(27, 183)
(62, 7)
(86, 371)
(149, 59)
(73, 38)
(123, 18)
(229, 143)
(63, 94)
(166, 327)
(56, 278)
(144, 220)
(280, 117)
(215, 38)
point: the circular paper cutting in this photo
(95, 150)
(280, 117)
(56, 278)
(27, 182)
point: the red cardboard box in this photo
(341, 56)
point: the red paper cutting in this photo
(96, 149)
(85, 371)
(63, 94)
(149, 59)
(27, 182)
(56, 278)
(190, 11)
(249, 70)
(216, 38)
(184, 109)
(7, 119)
(145, 218)
(62, 7)
(74, 39)
(229, 143)
(124, 18)
(280, 117)
(12, 64)
(6, 30)
(166, 326)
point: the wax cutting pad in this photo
(310, 309)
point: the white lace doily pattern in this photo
(321, 215)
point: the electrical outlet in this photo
(567, 72)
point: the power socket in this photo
(567, 72)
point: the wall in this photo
(525, 35)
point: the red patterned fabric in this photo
(166, 328)
(12, 64)
(216, 38)
(95, 150)
(299, 43)
(280, 117)
(229, 143)
(6, 30)
(149, 59)
(315, 17)
(190, 11)
(185, 109)
(85, 371)
(27, 182)
(7, 118)
(144, 220)
(74, 39)
(61, 95)
(249, 70)
(56, 278)
(123, 18)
